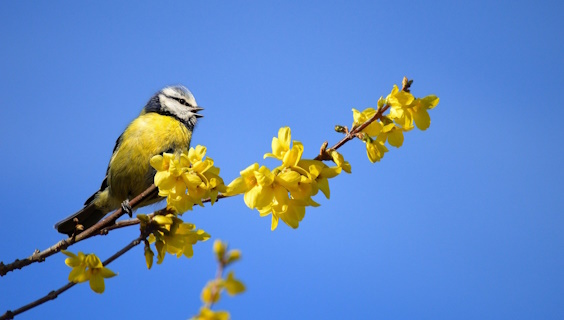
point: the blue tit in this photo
(165, 124)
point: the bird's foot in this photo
(126, 207)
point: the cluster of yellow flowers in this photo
(170, 234)
(187, 178)
(286, 191)
(87, 267)
(212, 290)
(405, 110)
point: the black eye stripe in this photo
(181, 101)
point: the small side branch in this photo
(55, 293)
(325, 154)
(40, 256)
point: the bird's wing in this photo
(105, 181)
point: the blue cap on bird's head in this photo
(176, 101)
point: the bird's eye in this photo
(182, 101)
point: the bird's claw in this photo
(126, 207)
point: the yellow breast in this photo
(129, 171)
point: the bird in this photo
(164, 125)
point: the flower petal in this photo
(422, 119)
(395, 137)
(97, 283)
(107, 273)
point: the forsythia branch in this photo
(40, 256)
(325, 154)
(55, 293)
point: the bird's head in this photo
(176, 101)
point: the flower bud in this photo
(149, 256)
(340, 129)
(219, 248)
(233, 255)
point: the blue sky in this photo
(465, 221)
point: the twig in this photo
(39, 256)
(324, 154)
(135, 221)
(55, 293)
(218, 276)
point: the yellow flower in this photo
(87, 268)
(212, 291)
(281, 148)
(393, 134)
(398, 98)
(196, 154)
(232, 256)
(169, 179)
(267, 191)
(286, 178)
(219, 248)
(375, 149)
(319, 173)
(207, 314)
(291, 211)
(340, 161)
(420, 114)
(215, 184)
(280, 145)
(187, 178)
(202, 180)
(78, 265)
(181, 242)
(245, 182)
(359, 118)
(400, 111)
(149, 257)
(405, 109)
(175, 237)
(254, 182)
(232, 285)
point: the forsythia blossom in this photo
(87, 267)
(222, 255)
(171, 235)
(286, 191)
(212, 290)
(187, 178)
(405, 110)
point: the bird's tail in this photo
(87, 216)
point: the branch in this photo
(325, 154)
(40, 256)
(135, 221)
(218, 276)
(55, 293)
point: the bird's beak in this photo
(196, 109)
